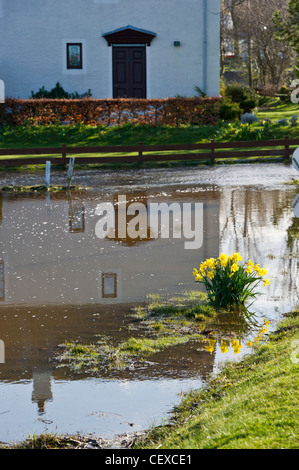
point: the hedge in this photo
(108, 112)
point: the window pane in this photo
(74, 56)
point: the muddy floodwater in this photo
(60, 279)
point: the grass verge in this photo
(253, 404)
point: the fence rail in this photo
(149, 153)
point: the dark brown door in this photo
(129, 72)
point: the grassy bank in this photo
(253, 404)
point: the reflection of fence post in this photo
(2, 352)
(70, 172)
(48, 172)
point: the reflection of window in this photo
(2, 291)
(109, 285)
(74, 56)
(76, 219)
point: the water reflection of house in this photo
(54, 257)
(130, 199)
(63, 283)
(42, 391)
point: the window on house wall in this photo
(74, 59)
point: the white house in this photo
(115, 48)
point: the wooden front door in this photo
(129, 72)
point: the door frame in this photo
(146, 66)
(129, 36)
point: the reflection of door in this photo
(129, 72)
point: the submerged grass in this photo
(161, 324)
(54, 441)
(39, 188)
(253, 404)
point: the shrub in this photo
(293, 120)
(58, 93)
(269, 90)
(249, 118)
(245, 96)
(284, 94)
(283, 122)
(108, 112)
(229, 111)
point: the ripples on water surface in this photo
(53, 271)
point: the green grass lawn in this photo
(279, 111)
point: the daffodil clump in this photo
(227, 281)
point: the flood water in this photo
(60, 281)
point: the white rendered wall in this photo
(34, 34)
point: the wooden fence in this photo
(149, 153)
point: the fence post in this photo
(70, 172)
(212, 151)
(287, 147)
(140, 150)
(47, 177)
(63, 154)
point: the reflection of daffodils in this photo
(235, 344)
(224, 346)
(261, 332)
(211, 346)
(227, 282)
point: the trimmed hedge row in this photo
(108, 112)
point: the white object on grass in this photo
(295, 159)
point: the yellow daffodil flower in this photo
(223, 258)
(236, 257)
(234, 268)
